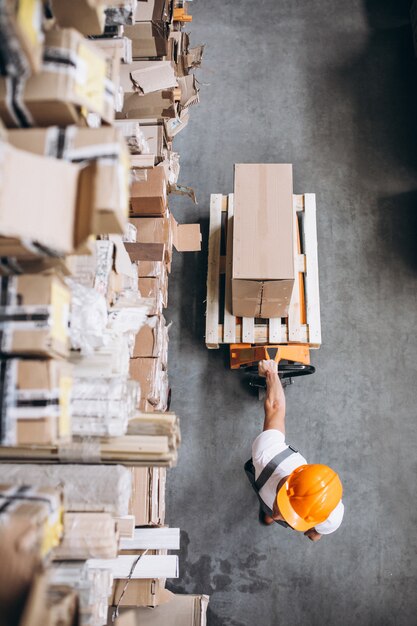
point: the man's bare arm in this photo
(275, 398)
(313, 535)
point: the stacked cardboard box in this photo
(86, 247)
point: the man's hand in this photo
(313, 535)
(267, 367)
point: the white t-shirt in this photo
(265, 447)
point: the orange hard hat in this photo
(309, 495)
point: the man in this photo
(306, 498)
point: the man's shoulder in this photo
(269, 443)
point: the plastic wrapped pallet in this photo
(85, 487)
(102, 406)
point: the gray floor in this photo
(329, 86)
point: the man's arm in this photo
(275, 398)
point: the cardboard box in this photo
(32, 516)
(73, 80)
(263, 240)
(149, 39)
(149, 198)
(38, 197)
(22, 37)
(152, 340)
(35, 320)
(155, 291)
(165, 230)
(148, 76)
(147, 502)
(41, 403)
(182, 610)
(105, 176)
(155, 105)
(86, 16)
(140, 592)
(153, 380)
(155, 135)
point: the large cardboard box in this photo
(140, 592)
(72, 82)
(182, 610)
(86, 16)
(149, 39)
(105, 175)
(38, 197)
(35, 319)
(149, 198)
(263, 240)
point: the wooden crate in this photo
(224, 328)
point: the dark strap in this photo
(269, 469)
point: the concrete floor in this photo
(331, 87)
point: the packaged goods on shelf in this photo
(156, 291)
(87, 536)
(156, 137)
(157, 424)
(112, 360)
(134, 136)
(120, 12)
(72, 82)
(153, 381)
(21, 38)
(102, 406)
(149, 592)
(50, 190)
(166, 230)
(49, 605)
(184, 58)
(93, 586)
(151, 28)
(89, 318)
(159, 102)
(104, 175)
(149, 198)
(86, 16)
(30, 519)
(152, 339)
(147, 502)
(35, 319)
(86, 487)
(141, 450)
(187, 610)
(119, 48)
(35, 401)
(263, 240)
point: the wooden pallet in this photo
(222, 327)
